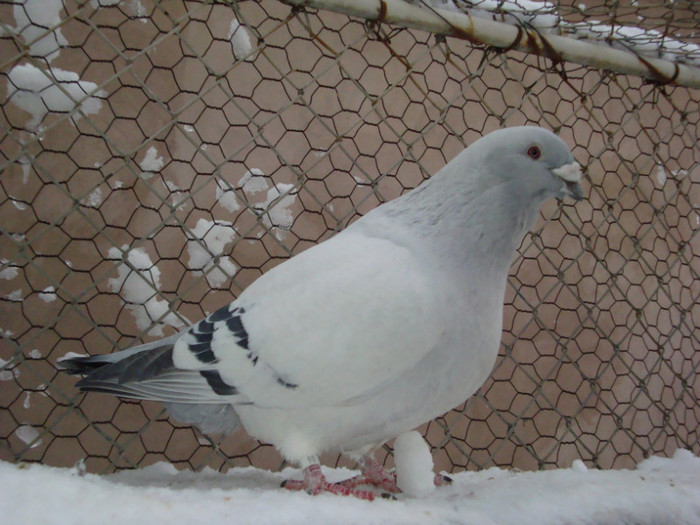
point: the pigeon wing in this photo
(330, 326)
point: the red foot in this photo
(315, 482)
(373, 473)
(441, 480)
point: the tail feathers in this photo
(191, 388)
(148, 372)
(84, 365)
(138, 367)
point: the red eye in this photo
(534, 152)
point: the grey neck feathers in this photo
(466, 219)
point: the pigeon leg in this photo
(373, 473)
(315, 482)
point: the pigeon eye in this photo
(534, 152)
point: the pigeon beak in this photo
(574, 190)
(571, 174)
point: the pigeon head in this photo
(532, 162)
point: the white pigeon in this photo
(387, 325)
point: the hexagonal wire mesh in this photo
(159, 156)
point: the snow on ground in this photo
(658, 491)
(37, 92)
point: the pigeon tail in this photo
(148, 372)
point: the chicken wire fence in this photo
(158, 156)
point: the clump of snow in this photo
(205, 249)
(275, 209)
(27, 401)
(227, 197)
(103, 3)
(151, 163)
(138, 283)
(15, 295)
(661, 490)
(540, 15)
(5, 375)
(414, 465)
(279, 200)
(37, 92)
(29, 435)
(135, 7)
(48, 295)
(544, 16)
(94, 199)
(9, 272)
(253, 181)
(448, 5)
(33, 18)
(240, 40)
(26, 162)
(660, 175)
(579, 466)
(34, 354)
(179, 197)
(646, 42)
(19, 205)
(138, 10)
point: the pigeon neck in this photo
(467, 221)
